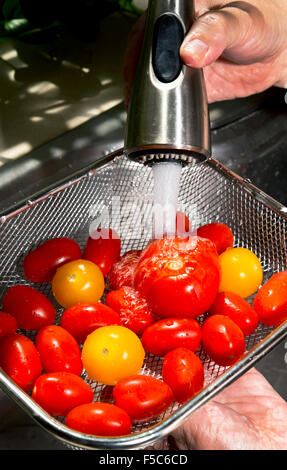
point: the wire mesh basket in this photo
(122, 192)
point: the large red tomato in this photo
(83, 318)
(103, 248)
(59, 392)
(20, 360)
(170, 333)
(59, 351)
(143, 397)
(179, 277)
(31, 308)
(183, 371)
(100, 419)
(271, 300)
(41, 264)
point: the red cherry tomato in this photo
(183, 224)
(103, 248)
(83, 318)
(8, 324)
(59, 392)
(238, 309)
(183, 371)
(20, 360)
(41, 264)
(59, 351)
(31, 308)
(222, 340)
(132, 308)
(179, 277)
(143, 397)
(271, 300)
(170, 333)
(122, 272)
(100, 419)
(220, 234)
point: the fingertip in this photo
(198, 53)
(194, 52)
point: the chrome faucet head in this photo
(168, 111)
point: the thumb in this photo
(237, 31)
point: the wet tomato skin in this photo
(179, 277)
(143, 397)
(236, 308)
(132, 307)
(100, 419)
(271, 300)
(83, 318)
(222, 340)
(103, 248)
(59, 351)
(20, 360)
(41, 264)
(173, 257)
(220, 234)
(8, 324)
(122, 272)
(183, 371)
(59, 392)
(184, 296)
(170, 333)
(31, 308)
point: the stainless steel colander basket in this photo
(122, 190)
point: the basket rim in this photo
(161, 429)
(156, 432)
(84, 173)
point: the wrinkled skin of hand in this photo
(247, 415)
(241, 46)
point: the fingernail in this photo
(196, 48)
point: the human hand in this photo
(241, 46)
(247, 415)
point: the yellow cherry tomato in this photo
(111, 353)
(78, 281)
(241, 272)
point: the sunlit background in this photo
(50, 87)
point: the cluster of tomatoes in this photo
(167, 300)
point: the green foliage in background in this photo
(128, 5)
(39, 20)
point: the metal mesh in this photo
(123, 191)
